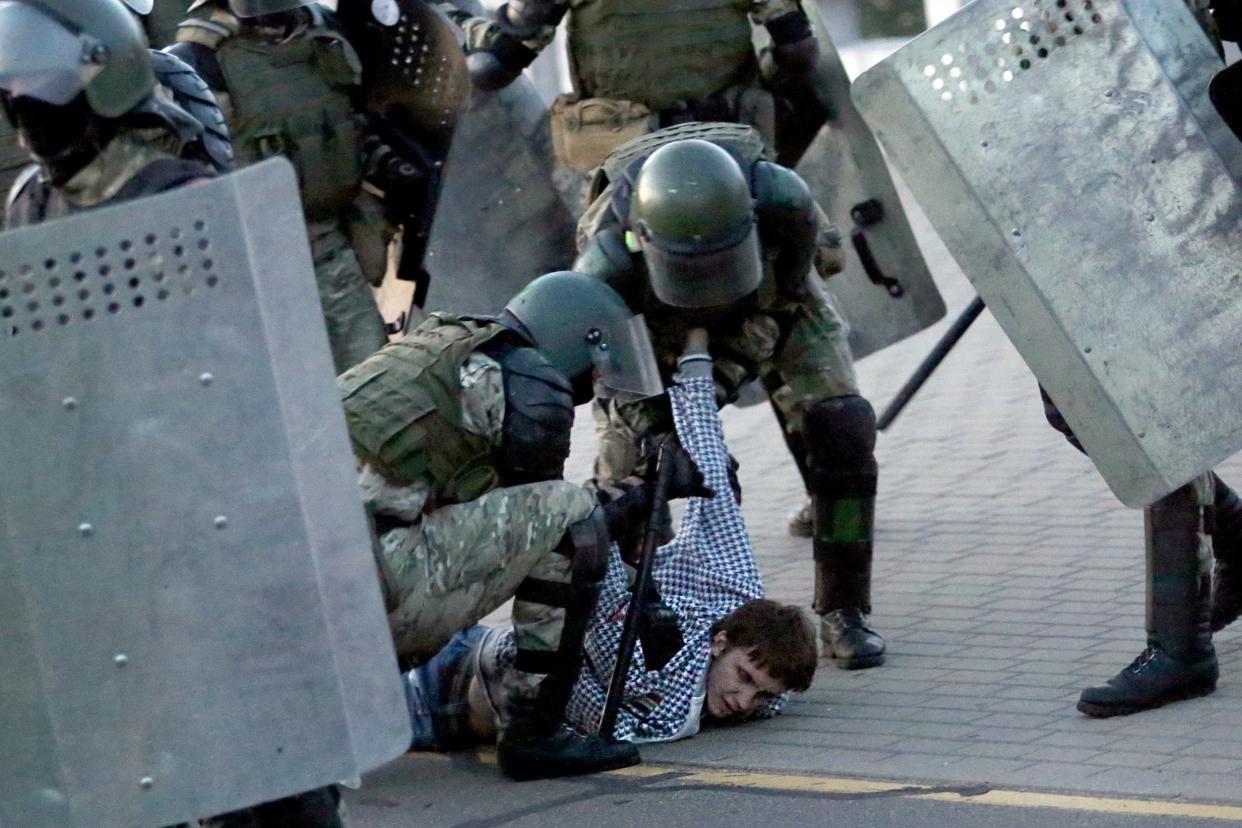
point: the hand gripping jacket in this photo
(289, 97)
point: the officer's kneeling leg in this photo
(840, 439)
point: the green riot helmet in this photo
(580, 324)
(693, 218)
(258, 8)
(53, 50)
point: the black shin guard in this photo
(587, 545)
(1178, 577)
(840, 437)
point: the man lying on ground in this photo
(740, 654)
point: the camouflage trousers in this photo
(458, 563)
(813, 363)
(355, 327)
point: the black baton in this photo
(642, 586)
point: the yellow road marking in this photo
(796, 783)
(1003, 798)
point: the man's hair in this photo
(780, 639)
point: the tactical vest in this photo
(293, 99)
(403, 409)
(660, 52)
(739, 140)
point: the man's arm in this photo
(499, 48)
(711, 560)
(793, 51)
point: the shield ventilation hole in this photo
(1015, 43)
(122, 276)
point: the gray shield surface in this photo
(500, 222)
(845, 169)
(1069, 156)
(190, 619)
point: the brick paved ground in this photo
(1007, 579)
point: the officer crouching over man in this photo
(463, 428)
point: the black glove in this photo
(658, 631)
(497, 66)
(1228, 15)
(685, 479)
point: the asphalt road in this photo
(462, 791)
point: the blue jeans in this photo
(438, 693)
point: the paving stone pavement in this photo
(1007, 578)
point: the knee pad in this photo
(839, 432)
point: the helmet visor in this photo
(704, 280)
(624, 359)
(40, 58)
(142, 7)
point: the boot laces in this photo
(1144, 659)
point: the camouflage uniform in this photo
(640, 65)
(453, 542)
(292, 93)
(785, 333)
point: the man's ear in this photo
(720, 643)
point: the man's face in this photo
(736, 685)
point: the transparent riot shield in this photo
(1069, 156)
(500, 221)
(885, 291)
(190, 619)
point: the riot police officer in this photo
(463, 428)
(98, 131)
(696, 229)
(640, 66)
(288, 80)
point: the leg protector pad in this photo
(1178, 573)
(839, 432)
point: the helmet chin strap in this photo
(64, 138)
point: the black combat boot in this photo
(843, 599)
(1179, 661)
(1227, 549)
(535, 743)
(538, 746)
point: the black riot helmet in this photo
(693, 218)
(68, 71)
(55, 50)
(586, 330)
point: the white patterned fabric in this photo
(703, 574)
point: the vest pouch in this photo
(585, 132)
(330, 170)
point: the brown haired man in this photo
(739, 654)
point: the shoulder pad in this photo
(778, 188)
(210, 31)
(191, 93)
(539, 417)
